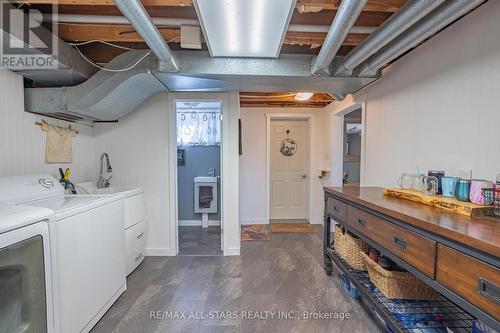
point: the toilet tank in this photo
(206, 206)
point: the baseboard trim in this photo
(160, 252)
(316, 221)
(254, 221)
(194, 223)
(232, 251)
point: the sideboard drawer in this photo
(416, 250)
(474, 280)
(337, 209)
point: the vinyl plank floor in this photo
(237, 294)
(198, 241)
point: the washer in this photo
(26, 302)
(88, 251)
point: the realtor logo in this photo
(26, 39)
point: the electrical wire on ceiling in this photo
(75, 45)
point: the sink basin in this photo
(91, 188)
(205, 179)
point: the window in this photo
(198, 123)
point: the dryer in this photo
(88, 236)
(26, 302)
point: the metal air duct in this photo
(345, 17)
(403, 19)
(428, 26)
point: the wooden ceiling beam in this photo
(388, 6)
(77, 32)
(281, 97)
(385, 6)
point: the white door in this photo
(289, 174)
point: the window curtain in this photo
(198, 128)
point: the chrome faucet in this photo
(103, 182)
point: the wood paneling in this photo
(416, 250)
(462, 273)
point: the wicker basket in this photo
(349, 248)
(395, 284)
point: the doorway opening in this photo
(289, 169)
(353, 132)
(199, 142)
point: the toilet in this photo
(205, 197)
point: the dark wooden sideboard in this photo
(456, 255)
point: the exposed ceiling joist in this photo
(282, 99)
(126, 33)
(388, 6)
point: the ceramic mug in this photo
(448, 185)
(462, 190)
(477, 194)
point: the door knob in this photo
(304, 176)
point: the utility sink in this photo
(205, 179)
(91, 188)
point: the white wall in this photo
(22, 144)
(253, 162)
(138, 146)
(138, 149)
(438, 107)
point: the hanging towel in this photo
(205, 196)
(58, 147)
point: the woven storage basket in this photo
(349, 248)
(400, 285)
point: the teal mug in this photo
(448, 184)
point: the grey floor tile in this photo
(282, 276)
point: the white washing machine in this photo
(26, 301)
(88, 250)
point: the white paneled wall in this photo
(138, 148)
(22, 144)
(438, 107)
(253, 162)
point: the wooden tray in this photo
(449, 204)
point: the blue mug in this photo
(462, 190)
(448, 185)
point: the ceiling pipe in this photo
(442, 16)
(403, 19)
(134, 11)
(345, 17)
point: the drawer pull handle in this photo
(361, 222)
(489, 290)
(400, 242)
(139, 236)
(138, 257)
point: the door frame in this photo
(229, 188)
(309, 117)
(339, 109)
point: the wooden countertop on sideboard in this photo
(480, 233)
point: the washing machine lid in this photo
(14, 217)
(69, 202)
(20, 189)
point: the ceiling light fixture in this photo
(243, 28)
(303, 96)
